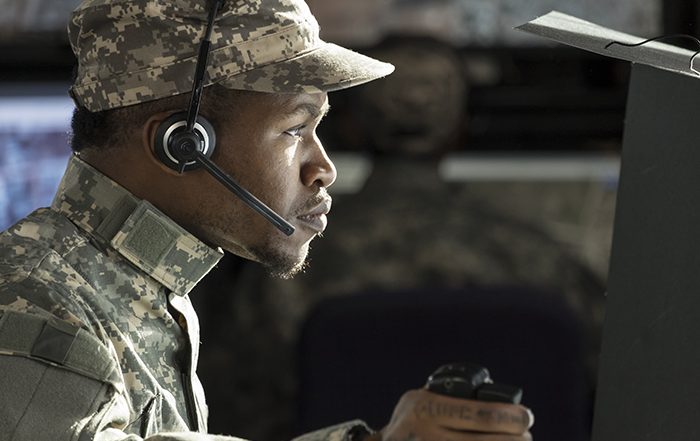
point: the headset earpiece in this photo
(176, 147)
(182, 149)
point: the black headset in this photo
(185, 141)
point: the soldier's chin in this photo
(280, 265)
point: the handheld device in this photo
(471, 381)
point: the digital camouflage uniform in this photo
(98, 338)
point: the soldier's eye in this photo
(296, 131)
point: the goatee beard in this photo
(281, 266)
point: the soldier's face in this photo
(269, 146)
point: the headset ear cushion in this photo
(177, 123)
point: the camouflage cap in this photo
(133, 51)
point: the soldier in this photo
(98, 338)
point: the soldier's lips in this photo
(315, 222)
(315, 219)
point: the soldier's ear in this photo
(148, 140)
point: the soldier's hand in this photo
(421, 415)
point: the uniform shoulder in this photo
(45, 298)
(40, 233)
(34, 275)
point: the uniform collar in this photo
(134, 228)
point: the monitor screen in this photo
(34, 134)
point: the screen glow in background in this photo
(33, 153)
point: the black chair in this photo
(359, 353)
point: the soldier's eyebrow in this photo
(311, 109)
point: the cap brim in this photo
(327, 68)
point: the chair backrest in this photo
(359, 353)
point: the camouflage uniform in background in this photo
(98, 338)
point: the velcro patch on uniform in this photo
(145, 238)
(167, 252)
(18, 331)
(59, 343)
(55, 341)
(150, 239)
